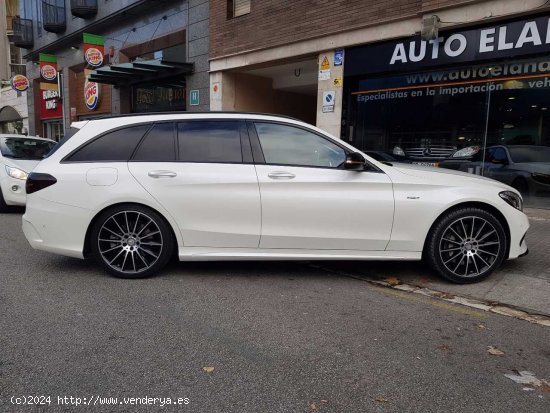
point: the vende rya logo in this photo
(91, 94)
(94, 57)
(19, 83)
(48, 72)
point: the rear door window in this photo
(159, 145)
(210, 141)
(115, 146)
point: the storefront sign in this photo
(94, 50)
(91, 94)
(19, 83)
(50, 104)
(157, 98)
(48, 72)
(516, 38)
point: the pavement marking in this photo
(487, 306)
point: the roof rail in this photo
(191, 113)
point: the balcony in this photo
(84, 8)
(53, 15)
(22, 33)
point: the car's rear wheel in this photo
(466, 245)
(131, 242)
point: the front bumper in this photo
(518, 224)
(13, 191)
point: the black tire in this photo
(466, 245)
(521, 185)
(131, 241)
(3, 206)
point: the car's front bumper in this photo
(13, 191)
(518, 223)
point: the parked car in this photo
(133, 191)
(524, 167)
(19, 154)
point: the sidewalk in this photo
(523, 283)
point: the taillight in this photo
(37, 181)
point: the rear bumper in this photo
(56, 228)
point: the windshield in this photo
(521, 154)
(21, 148)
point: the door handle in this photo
(162, 174)
(281, 175)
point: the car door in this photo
(309, 201)
(497, 165)
(198, 171)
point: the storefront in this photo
(475, 100)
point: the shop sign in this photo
(149, 98)
(19, 83)
(94, 49)
(91, 94)
(517, 38)
(48, 71)
(50, 104)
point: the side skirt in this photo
(246, 254)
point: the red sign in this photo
(19, 83)
(91, 94)
(93, 55)
(50, 104)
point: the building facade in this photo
(455, 84)
(90, 58)
(13, 102)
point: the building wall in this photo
(275, 22)
(124, 31)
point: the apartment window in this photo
(236, 8)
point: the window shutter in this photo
(241, 7)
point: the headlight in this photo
(513, 199)
(398, 151)
(16, 173)
(469, 151)
(542, 178)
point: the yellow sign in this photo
(338, 82)
(325, 64)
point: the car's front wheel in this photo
(131, 241)
(466, 245)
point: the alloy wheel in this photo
(130, 242)
(470, 246)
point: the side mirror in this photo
(499, 161)
(354, 162)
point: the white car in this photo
(134, 191)
(19, 155)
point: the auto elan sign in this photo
(503, 40)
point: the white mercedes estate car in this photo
(19, 154)
(134, 191)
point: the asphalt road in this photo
(280, 337)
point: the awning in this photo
(9, 114)
(143, 71)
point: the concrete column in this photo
(222, 91)
(330, 119)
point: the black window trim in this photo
(261, 159)
(66, 160)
